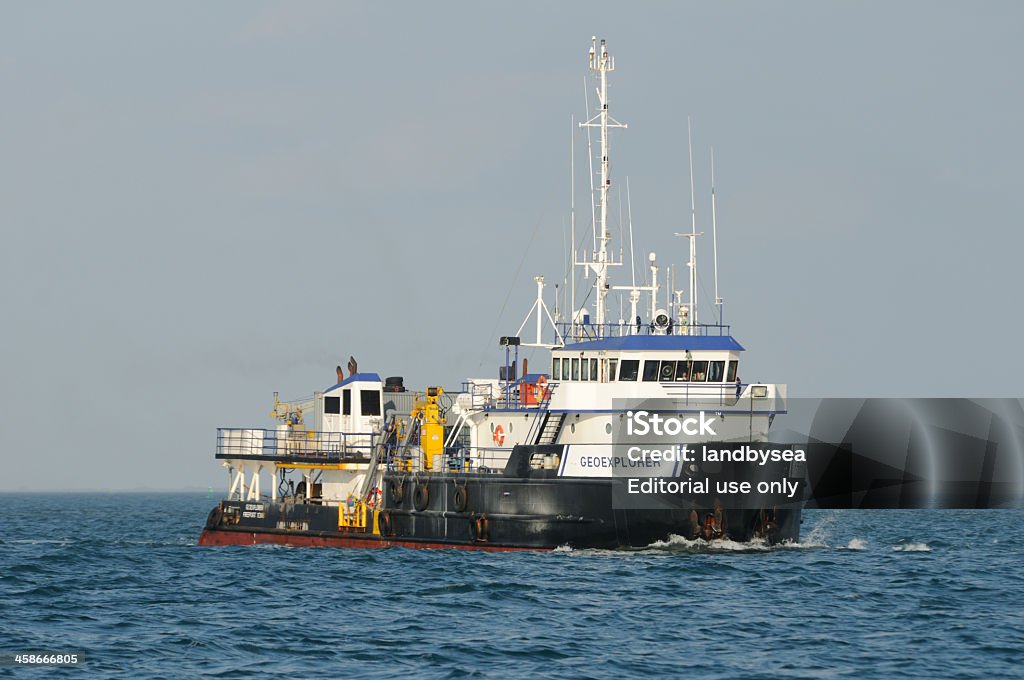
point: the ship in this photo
(563, 457)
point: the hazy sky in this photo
(202, 203)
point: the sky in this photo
(204, 203)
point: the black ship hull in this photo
(521, 509)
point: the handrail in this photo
(273, 443)
(538, 418)
(372, 468)
(593, 331)
(484, 397)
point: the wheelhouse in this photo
(676, 359)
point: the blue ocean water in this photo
(119, 578)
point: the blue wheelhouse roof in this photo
(658, 342)
(358, 377)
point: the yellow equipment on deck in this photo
(428, 412)
(354, 514)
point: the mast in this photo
(691, 308)
(693, 231)
(572, 226)
(602, 64)
(590, 160)
(632, 256)
(714, 236)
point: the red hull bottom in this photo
(214, 537)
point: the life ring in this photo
(384, 524)
(215, 517)
(421, 497)
(499, 435)
(460, 499)
(478, 528)
(396, 492)
(542, 388)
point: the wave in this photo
(818, 534)
(809, 542)
(912, 547)
(676, 542)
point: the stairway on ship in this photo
(550, 428)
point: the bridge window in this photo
(332, 405)
(612, 365)
(565, 368)
(575, 369)
(369, 400)
(346, 402)
(668, 371)
(584, 369)
(630, 369)
(593, 369)
(716, 371)
(683, 371)
(733, 368)
(651, 370)
(699, 371)
(556, 369)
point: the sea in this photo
(118, 580)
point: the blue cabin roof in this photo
(532, 378)
(356, 377)
(658, 342)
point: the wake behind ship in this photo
(524, 460)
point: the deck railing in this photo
(581, 332)
(238, 442)
(510, 396)
(478, 460)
